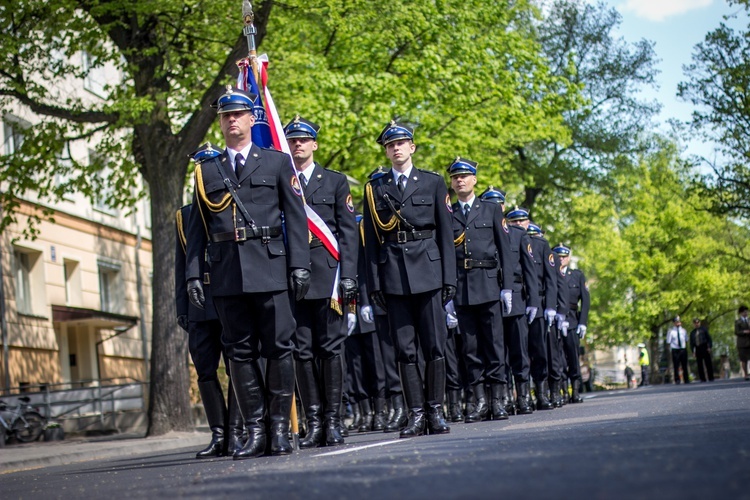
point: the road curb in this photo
(16, 459)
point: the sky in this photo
(675, 26)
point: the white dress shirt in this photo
(677, 337)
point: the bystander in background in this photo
(742, 331)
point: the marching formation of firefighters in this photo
(390, 309)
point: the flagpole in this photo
(248, 18)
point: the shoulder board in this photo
(430, 172)
(205, 153)
(377, 173)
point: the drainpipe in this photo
(141, 304)
(3, 324)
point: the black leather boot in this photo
(248, 388)
(307, 382)
(497, 406)
(555, 394)
(576, 396)
(400, 415)
(435, 397)
(357, 421)
(542, 402)
(470, 401)
(508, 403)
(235, 438)
(454, 406)
(379, 419)
(565, 392)
(367, 415)
(280, 377)
(523, 398)
(481, 410)
(333, 380)
(216, 413)
(411, 383)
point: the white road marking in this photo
(356, 448)
(569, 421)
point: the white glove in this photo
(365, 312)
(450, 307)
(351, 322)
(560, 319)
(451, 320)
(549, 315)
(565, 326)
(581, 331)
(507, 297)
(531, 313)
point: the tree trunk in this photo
(169, 400)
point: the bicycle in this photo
(22, 421)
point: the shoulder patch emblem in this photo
(551, 260)
(448, 203)
(349, 203)
(505, 226)
(528, 249)
(295, 185)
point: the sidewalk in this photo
(34, 455)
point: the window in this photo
(73, 291)
(100, 203)
(65, 163)
(23, 283)
(95, 78)
(28, 272)
(110, 287)
(12, 135)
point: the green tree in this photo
(653, 251)
(467, 75)
(579, 41)
(718, 84)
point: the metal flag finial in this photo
(248, 17)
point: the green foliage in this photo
(653, 250)
(467, 75)
(718, 85)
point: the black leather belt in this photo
(574, 308)
(404, 236)
(315, 242)
(247, 233)
(475, 263)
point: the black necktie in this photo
(679, 338)
(467, 208)
(303, 179)
(401, 183)
(239, 164)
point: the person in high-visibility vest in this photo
(644, 362)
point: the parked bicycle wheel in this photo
(30, 430)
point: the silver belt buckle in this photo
(401, 236)
(467, 264)
(240, 234)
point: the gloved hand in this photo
(507, 297)
(195, 293)
(348, 288)
(378, 298)
(549, 315)
(560, 318)
(531, 313)
(182, 320)
(565, 327)
(449, 291)
(351, 323)
(365, 312)
(451, 321)
(581, 331)
(299, 282)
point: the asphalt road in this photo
(659, 442)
